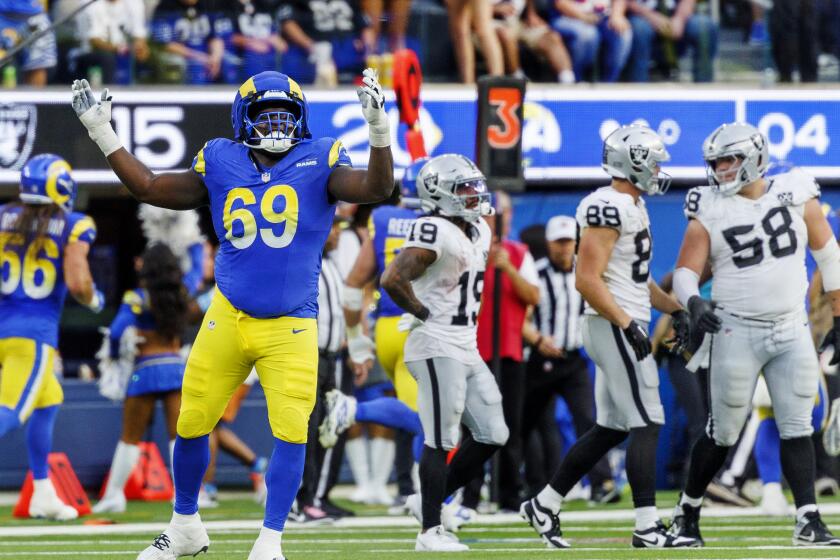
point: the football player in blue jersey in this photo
(43, 255)
(272, 193)
(388, 226)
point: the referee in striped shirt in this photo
(556, 366)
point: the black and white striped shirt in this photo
(330, 313)
(560, 310)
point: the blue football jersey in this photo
(135, 311)
(194, 30)
(388, 227)
(21, 8)
(32, 288)
(271, 223)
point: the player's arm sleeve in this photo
(425, 234)
(82, 229)
(338, 156)
(130, 308)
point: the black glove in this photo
(832, 338)
(682, 331)
(703, 316)
(638, 339)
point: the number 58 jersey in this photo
(757, 248)
(450, 288)
(271, 223)
(628, 269)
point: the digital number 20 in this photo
(245, 216)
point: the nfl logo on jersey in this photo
(785, 198)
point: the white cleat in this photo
(452, 515)
(340, 415)
(115, 503)
(45, 504)
(773, 501)
(361, 495)
(185, 536)
(380, 497)
(265, 551)
(437, 539)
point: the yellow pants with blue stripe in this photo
(390, 351)
(27, 378)
(230, 343)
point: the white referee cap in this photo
(561, 227)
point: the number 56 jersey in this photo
(628, 269)
(272, 224)
(450, 288)
(757, 249)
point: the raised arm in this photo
(177, 191)
(408, 265)
(377, 182)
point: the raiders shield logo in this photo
(638, 155)
(17, 134)
(431, 182)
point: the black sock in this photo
(583, 455)
(641, 464)
(707, 458)
(798, 466)
(468, 463)
(432, 484)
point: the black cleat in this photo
(659, 537)
(545, 522)
(811, 531)
(686, 523)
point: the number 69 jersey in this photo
(271, 223)
(450, 288)
(757, 249)
(628, 269)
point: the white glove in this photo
(96, 116)
(408, 322)
(831, 434)
(373, 108)
(360, 348)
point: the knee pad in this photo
(192, 423)
(291, 423)
(724, 439)
(497, 433)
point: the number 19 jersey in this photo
(272, 224)
(450, 288)
(757, 247)
(628, 269)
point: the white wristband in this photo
(828, 261)
(686, 285)
(105, 138)
(352, 298)
(380, 137)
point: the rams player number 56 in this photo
(272, 193)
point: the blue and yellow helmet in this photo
(408, 185)
(274, 131)
(46, 179)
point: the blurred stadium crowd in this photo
(330, 41)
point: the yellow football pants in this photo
(230, 343)
(27, 378)
(390, 348)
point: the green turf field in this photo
(233, 526)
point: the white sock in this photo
(270, 537)
(356, 450)
(646, 517)
(43, 486)
(807, 508)
(566, 77)
(382, 451)
(550, 498)
(171, 453)
(125, 458)
(693, 502)
(181, 519)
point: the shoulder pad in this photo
(82, 228)
(135, 300)
(697, 202)
(205, 154)
(795, 188)
(608, 208)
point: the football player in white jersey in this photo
(437, 278)
(752, 230)
(613, 276)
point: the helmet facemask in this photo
(275, 128)
(731, 180)
(471, 200)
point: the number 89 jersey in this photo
(271, 223)
(757, 247)
(628, 269)
(450, 288)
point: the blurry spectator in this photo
(534, 33)
(519, 288)
(256, 38)
(19, 19)
(112, 35)
(191, 39)
(793, 39)
(672, 26)
(595, 31)
(466, 17)
(397, 16)
(328, 41)
(758, 27)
